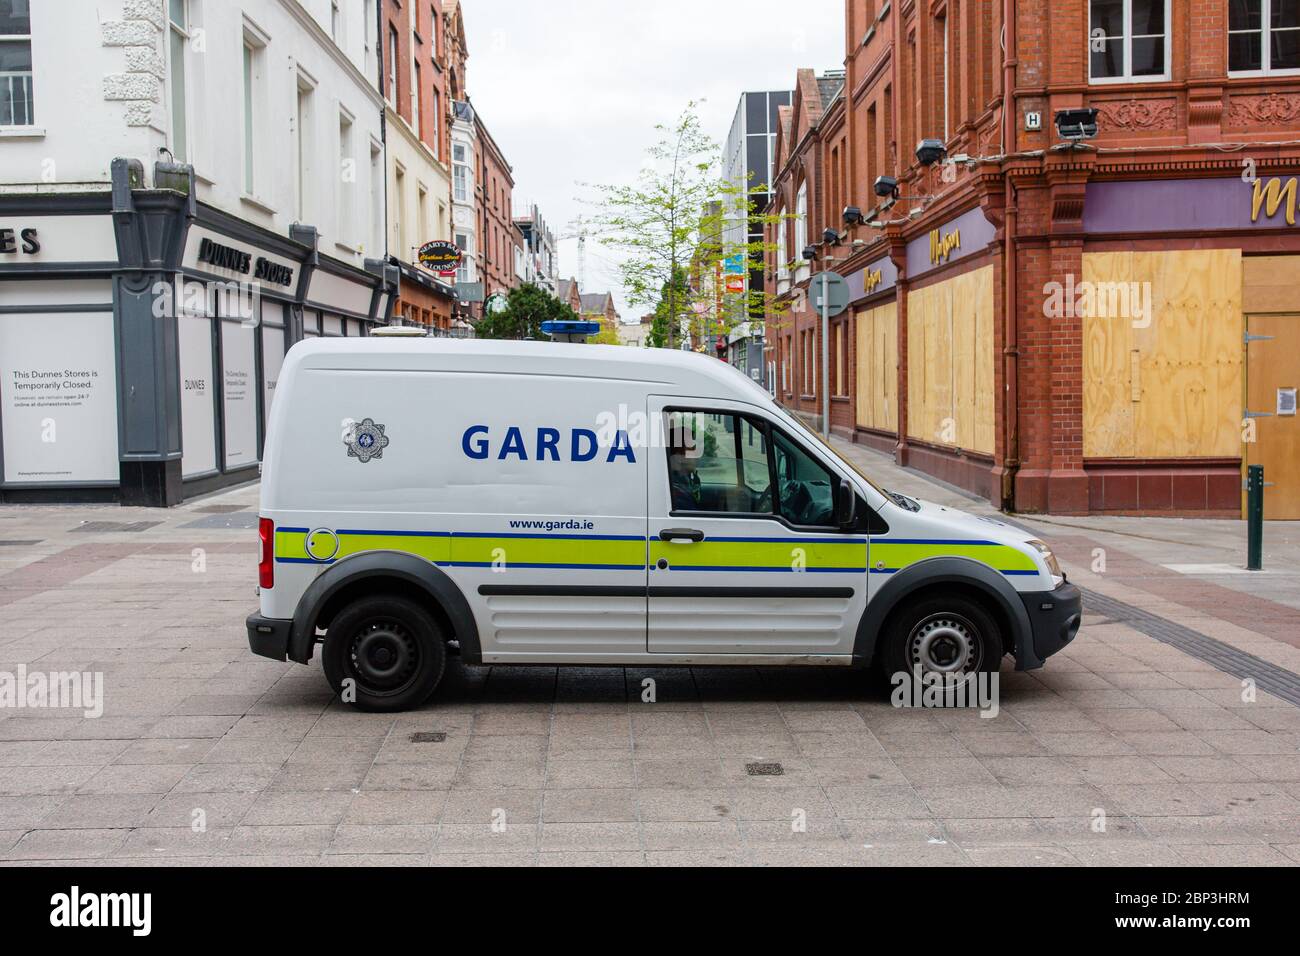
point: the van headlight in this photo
(1053, 565)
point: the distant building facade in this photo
(748, 165)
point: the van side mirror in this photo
(846, 506)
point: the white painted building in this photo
(159, 146)
(464, 209)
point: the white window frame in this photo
(8, 78)
(1127, 39)
(253, 109)
(465, 271)
(346, 201)
(368, 37)
(376, 194)
(305, 141)
(435, 105)
(415, 97)
(338, 27)
(391, 65)
(462, 185)
(801, 220)
(1266, 22)
(177, 73)
(782, 246)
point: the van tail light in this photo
(266, 564)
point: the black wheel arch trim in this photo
(384, 564)
(948, 570)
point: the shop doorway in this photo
(1272, 378)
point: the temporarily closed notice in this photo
(58, 398)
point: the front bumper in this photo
(268, 638)
(1054, 618)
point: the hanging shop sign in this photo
(736, 283)
(441, 257)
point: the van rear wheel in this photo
(384, 654)
(952, 639)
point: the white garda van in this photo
(542, 504)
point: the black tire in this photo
(390, 648)
(941, 636)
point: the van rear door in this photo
(745, 556)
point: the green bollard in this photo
(1255, 518)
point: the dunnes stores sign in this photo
(237, 260)
(23, 241)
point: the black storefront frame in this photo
(152, 228)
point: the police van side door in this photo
(746, 559)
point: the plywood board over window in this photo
(950, 362)
(1162, 367)
(877, 368)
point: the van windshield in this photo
(806, 432)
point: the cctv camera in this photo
(930, 151)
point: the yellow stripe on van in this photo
(613, 554)
(888, 555)
(763, 555)
(291, 546)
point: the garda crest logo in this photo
(366, 441)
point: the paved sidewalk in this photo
(1127, 749)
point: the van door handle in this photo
(681, 534)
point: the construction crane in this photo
(581, 232)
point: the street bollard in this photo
(1255, 518)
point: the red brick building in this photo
(416, 68)
(500, 241)
(1061, 328)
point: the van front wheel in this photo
(941, 638)
(384, 654)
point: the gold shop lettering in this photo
(942, 247)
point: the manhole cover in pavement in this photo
(102, 527)
(221, 509)
(427, 738)
(764, 770)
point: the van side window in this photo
(805, 489)
(718, 464)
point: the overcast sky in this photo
(572, 89)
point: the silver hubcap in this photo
(945, 644)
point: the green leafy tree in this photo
(679, 205)
(527, 307)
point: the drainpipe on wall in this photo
(1010, 341)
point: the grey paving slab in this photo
(1133, 747)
